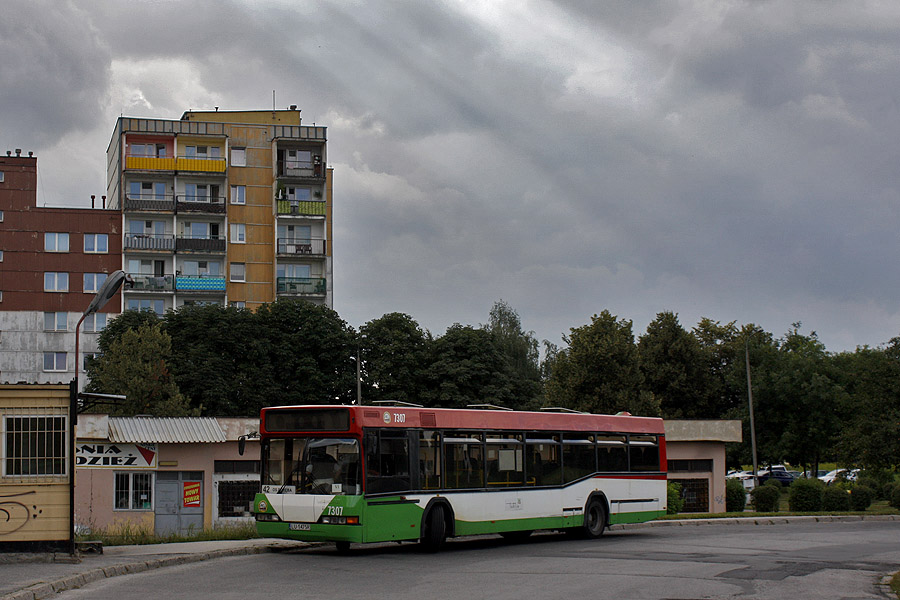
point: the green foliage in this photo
(835, 499)
(765, 498)
(805, 495)
(598, 372)
(673, 369)
(775, 483)
(861, 497)
(520, 351)
(735, 496)
(895, 496)
(394, 352)
(136, 365)
(466, 368)
(675, 502)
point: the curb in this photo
(753, 521)
(39, 591)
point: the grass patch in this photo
(880, 507)
(129, 534)
(895, 584)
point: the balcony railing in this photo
(200, 204)
(152, 283)
(200, 164)
(199, 283)
(150, 241)
(301, 247)
(301, 285)
(149, 163)
(301, 207)
(294, 169)
(150, 202)
(213, 243)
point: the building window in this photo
(202, 268)
(1, 216)
(202, 151)
(238, 233)
(238, 157)
(235, 497)
(35, 445)
(237, 304)
(133, 491)
(1, 255)
(156, 305)
(1, 176)
(55, 321)
(56, 282)
(201, 192)
(56, 242)
(93, 281)
(238, 272)
(87, 359)
(95, 322)
(96, 243)
(238, 194)
(55, 362)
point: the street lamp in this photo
(106, 292)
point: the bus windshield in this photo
(311, 466)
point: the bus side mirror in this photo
(242, 443)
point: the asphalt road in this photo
(844, 560)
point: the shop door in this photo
(179, 502)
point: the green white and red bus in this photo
(356, 474)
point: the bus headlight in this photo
(266, 517)
(340, 520)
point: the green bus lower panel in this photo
(636, 517)
(316, 533)
(486, 527)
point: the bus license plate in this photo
(299, 526)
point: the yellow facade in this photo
(34, 507)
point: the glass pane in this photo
(429, 460)
(542, 463)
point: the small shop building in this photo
(696, 459)
(163, 474)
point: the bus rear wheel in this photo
(435, 529)
(594, 519)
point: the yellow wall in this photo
(34, 508)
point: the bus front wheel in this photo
(594, 519)
(435, 529)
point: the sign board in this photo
(117, 456)
(192, 493)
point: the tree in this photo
(673, 369)
(130, 319)
(598, 372)
(520, 351)
(870, 414)
(394, 352)
(466, 368)
(135, 365)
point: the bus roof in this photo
(454, 418)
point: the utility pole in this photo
(750, 400)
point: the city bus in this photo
(357, 474)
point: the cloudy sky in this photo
(732, 160)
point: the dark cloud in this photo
(733, 160)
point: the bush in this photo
(675, 501)
(861, 497)
(886, 491)
(895, 496)
(765, 498)
(735, 495)
(806, 495)
(775, 483)
(835, 498)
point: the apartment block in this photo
(225, 207)
(52, 262)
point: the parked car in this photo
(840, 475)
(782, 475)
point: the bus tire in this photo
(594, 519)
(435, 529)
(342, 546)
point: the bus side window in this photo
(542, 460)
(387, 461)
(429, 460)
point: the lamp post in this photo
(106, 292)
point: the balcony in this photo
(315, 208)
(149, 203)
(151, 283)
(149, 163)
(300, 247)
(200, 204)
(200, 283)
(200, 164)
(301, 286)
(301, 171)
(211, 243)
(164, 242)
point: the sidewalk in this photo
(37, 576)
